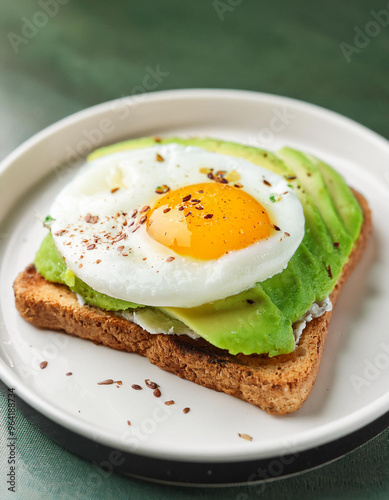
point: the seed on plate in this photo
(245, 436)
(186, 198)
(168, 403)
(43, 365)
(159, 157)
(68, 374)
(186, 410)
(166, 210)
(109, 381)
(136, 387)
(152, 385)
(128, 422)
(267, 183)
(144, 209)
(208, 216)
(157, 393)
(170, 259)
(91, 246)
(134, 213)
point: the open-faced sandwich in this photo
(219, 262)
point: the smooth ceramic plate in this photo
(352, 387)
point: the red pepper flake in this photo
(250, 301)
(238, 185)
(169, 403)
(109, 381)
(136, 387)
(290, 177)
(114, 190)
(188, 214)
(170, 259)
(329, 271)
(91, 246)
(143, 219)
(186, 410)
(80, 266)
(121, 248)
(144, 209)
(157, 139)
(286, 234)
(166, 210)
(125, 223)
(157, 393)
(336, 244)
(43, 365)
(98, 261)
(91, 219)
(181, 209)
(208, 216)
(136, 229)
(186, 198)
(267, 183)
(128, 422)
(162, 189)
(134, 213)
(199, 207)
(150, 384)
(276, 227)
(194, 201)
(68, 374)
(118, 382)
(159, 157)
(132, 223)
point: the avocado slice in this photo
(246, 323)
(344, 200)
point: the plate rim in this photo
(350, 423)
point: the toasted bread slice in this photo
(278, 385)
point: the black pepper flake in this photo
(210, 175)
(336, 244)
(43, 365)
(208, 216)
(136, 387)
(329, 271)
(188, 214)
(186, 198)
(250, 301)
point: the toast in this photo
(279, 385)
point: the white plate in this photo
(352, 387)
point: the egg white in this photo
(143, 274)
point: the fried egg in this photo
(175, 226)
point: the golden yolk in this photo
(208, 220)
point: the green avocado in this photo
(258, 320)
(344, 200)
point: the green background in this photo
(90, 52)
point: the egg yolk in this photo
(208, 220)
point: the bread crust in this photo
(278, 385)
